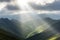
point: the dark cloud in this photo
(52, 6)
(5, 0)
(12, 7)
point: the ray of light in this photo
(34, 19)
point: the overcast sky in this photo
(10, 7)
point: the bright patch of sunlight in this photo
(54, 37)
(37, 30)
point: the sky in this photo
(13, 7)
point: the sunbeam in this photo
(31, 21)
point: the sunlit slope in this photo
(54, 37)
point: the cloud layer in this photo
(52, 6)
(12, 7)
(5, 0)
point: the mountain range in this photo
(12, 26)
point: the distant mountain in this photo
(10, 26)
(18, 16)
(42, 15)
(5, 35)
(11, 16)
(52, 16)
(53, 23)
